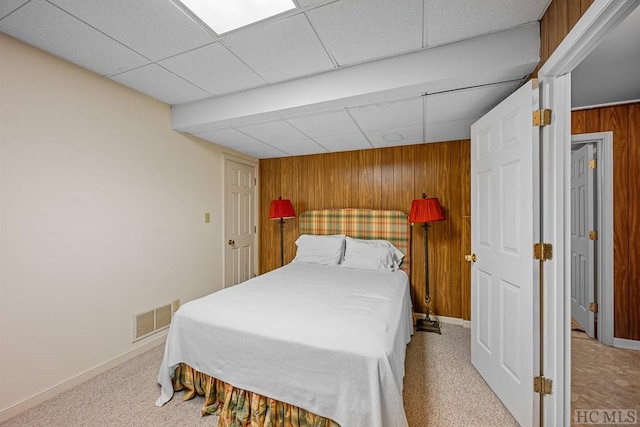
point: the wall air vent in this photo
(152, 321)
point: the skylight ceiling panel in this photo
(154, 29)
(8, 6)
(361, 30)
(273, 133)
(281, 49)
(345, 142)
(449, 131)
(466, 103)
(324, 124)
(389, 114)
(397, 136)
(159, 83)
(452, 20)
(43, 25)
(214, 69)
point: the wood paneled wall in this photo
(624, 122)
(384, 178)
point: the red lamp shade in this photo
(281, 209)
(426, 210)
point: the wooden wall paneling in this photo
(454, 238)
(584, 4)
(574, 12)
(388, 190)
(269, 189)
(439, 251)
(562, 21)
(422, 175)
(592, 121)
(615, 119)
(578, 122)
(290, 190)
(634, 220)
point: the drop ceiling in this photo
(328, 76)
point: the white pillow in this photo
(379, 255)
(320, 249)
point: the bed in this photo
(310, 343)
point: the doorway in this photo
(592, 285)
(239, 221)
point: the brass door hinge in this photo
(593, 307)
(542, 251)
(593, 235)
(593, 164)
(542, 117)
(542, 385)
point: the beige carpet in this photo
(441, 389)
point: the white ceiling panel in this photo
(43, 25)
(154, 29)
(300, 147)
(214, 69)
(161, 84)
(229, 137)
(263, 151)
(273, 133)
(324, 124)
(397, 136)
(280, 50)
(8, 6)
(449, 131)
(447, 21)
(466, 103)
(388, 114)
(347, 142)
(360, 30)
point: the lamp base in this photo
(428, 325)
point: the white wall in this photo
(101, 216)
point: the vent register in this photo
(153, 321)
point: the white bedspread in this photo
(328, 339)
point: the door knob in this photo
(231, 242)
(471, 258)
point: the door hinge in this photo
(593, 235)
(542, 251)
(593, 307)
(542, 117)
(542, 385)
(593, 164)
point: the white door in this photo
(239, 222)
(503, 145)
(582, 247)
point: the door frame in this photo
(555, 78)
(256, 204)
(604, 226)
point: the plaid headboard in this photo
(361, 224)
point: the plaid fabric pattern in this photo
(241, 408)
(361, 224)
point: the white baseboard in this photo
(449, 320)
(27, 404)
(624, 343)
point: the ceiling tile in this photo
(347, 142)
(397, 136)
(360, 30)
(8, 6)
(300, 147)
(159, 83)
(449, 131)
(466, 103)
(273, 133)
(229, 137)
(214, 69)
(452, 20)
(154, 29)
(324, 124)
(280, 50)
(43, 25)
(389, 114)
(263, 151)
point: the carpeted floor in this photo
(441, 389)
